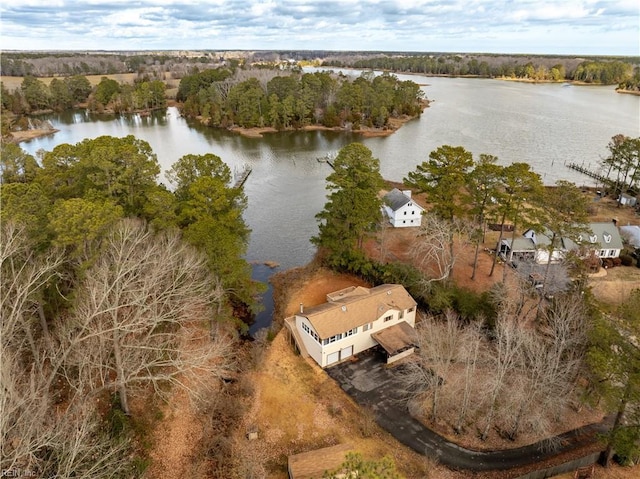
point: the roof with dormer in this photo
(603, 235)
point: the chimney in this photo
(301, 308)
(407, 193)
(614, 221)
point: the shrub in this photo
(626, 260)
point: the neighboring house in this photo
(532, 247)
(602, 240)
(355, 319)
(401, 210)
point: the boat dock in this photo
(241, 176)
(328, 159)
(586, 171)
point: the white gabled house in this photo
(401, 210)
(602, 240)
(355, 319)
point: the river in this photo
(545, 125)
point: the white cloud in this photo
(534, 26)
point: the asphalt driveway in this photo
(374, 386)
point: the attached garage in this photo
(346, 352)
(333, 358)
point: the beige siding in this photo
(361, 341)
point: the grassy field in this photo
(13, 83)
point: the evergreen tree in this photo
(353, 208)
(444, 178)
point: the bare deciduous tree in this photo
(432, 250)
(439, 346)
(23, 276)
(507, 352)
(38, 433)
(139, 314)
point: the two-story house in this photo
(401, 210)
(355, 319)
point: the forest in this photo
(115, 292)
(607, 72)
(297, 100)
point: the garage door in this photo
(346, 352)
(333, 357)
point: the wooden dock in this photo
(586, 171)
(328, 159)
(240, 177)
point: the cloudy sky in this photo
(588, 27)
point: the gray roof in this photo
(396, 199)
(606, 235)
(599, 236)
(520, 244)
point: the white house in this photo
(401, 210)
(601, 239)
(355, 319)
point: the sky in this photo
(582, 27)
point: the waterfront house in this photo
(601, 240)
(356, 319)
(401, 210)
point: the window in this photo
(410, 310)
(367, 327)
(311, 333)
(612, 252)
(413, 212)
(603, 253)
(405, 213)
(401, 315)
(351, 332)
(404, 222)
(388, 318)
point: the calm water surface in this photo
(545, 125)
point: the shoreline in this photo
(367, 132)
(27, 135)
(629, 92)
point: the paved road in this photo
(374, 386)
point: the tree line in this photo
(65, 93)
(535, 355)
(296, 100)
(607, 72)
